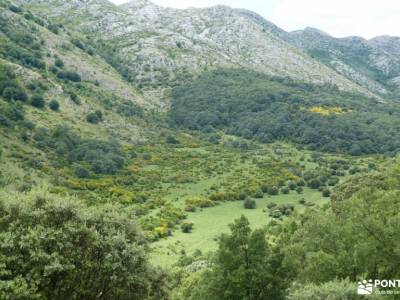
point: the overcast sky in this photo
(367, 18)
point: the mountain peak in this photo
(137, 3)
(314, 30)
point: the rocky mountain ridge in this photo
(161, 46)
(374, 63)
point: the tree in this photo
(82, 172)
(94, 117)
(259, 194)
(285, 190)
(171, 140)
(59, 63)
(187, 226)
(244, 267)
(326, 192)
(249, 203)
(69, 76)
(54, 105)
(273, 191)
(314, 183)
(37, 101)
(299, 190)
(292, 185)
(57, 248)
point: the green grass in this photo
(209, 223)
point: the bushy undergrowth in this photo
(100, 157)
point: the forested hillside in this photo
(254, 105)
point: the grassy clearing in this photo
(209, 223)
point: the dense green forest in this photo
(254, 105)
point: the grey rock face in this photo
(162, 45)
(373, 64)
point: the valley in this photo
(154, 153)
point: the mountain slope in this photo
(374, 64)
(52, 85)
(32, 50)
(160, 46)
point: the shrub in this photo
(190, 208)
(59, 63)
(53, 69)
(54, 105)
(314, 183)
(130, 109)
(74, 98)
(37, 101)
(259, 194)
(147, 156)
(301, 182)
(281, 210)
(82, 172)
(199, 202)
(78, 43)
(333, 181)
(292, 185)
(273, 191)
(95, 117)
(171, 140)
(242, 196)
(264, 188)
(15, 93)
(326, 193)
(69, 76)
(276, 214)
(299, 190)
(187, 226)
(54, 28)
(249, 203)
(285, 190)
(15, 9)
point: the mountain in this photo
(374, 63)
(125, 63)
(158, 47)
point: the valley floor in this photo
(212, 222)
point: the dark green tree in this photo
(249, 203)
(54, 105)
(245, 266)
(37, 101)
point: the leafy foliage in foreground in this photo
(57, 248)
(254, 105)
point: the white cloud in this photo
(340, 18)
